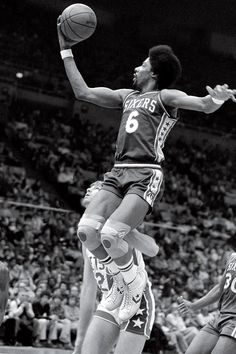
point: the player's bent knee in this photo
(88, 231)
(112, 235)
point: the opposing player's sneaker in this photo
(132, 296)
(115, 295)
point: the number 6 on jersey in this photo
(132, 123)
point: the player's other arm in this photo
(210, 298)
(207, 104)
(87, 302)
(101, 96)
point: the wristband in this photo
(66, 53)
(217, 101)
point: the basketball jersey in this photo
(144, 127)
(102, 274)
(227, 303)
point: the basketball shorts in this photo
(141, 323)
(219, 326)
(146, 182)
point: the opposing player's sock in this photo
(110, 264)
(128, 270)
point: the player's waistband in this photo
(137, 165)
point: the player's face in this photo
(142, 74)
(90, 193)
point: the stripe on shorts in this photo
(234, 333)
(150, 309)
(154, 187)
(106, 316)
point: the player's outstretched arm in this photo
(211, 297)
(87, 303)
(144, 243)
(101, 96)
(206, 104)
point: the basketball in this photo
(78, 22)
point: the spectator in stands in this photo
(158, 341)
(176, 324)
(24, 328)
(72, 312)
(41, 310)
(59, 323)
(174, 340)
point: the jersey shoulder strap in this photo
(129, 94)
(164, 108)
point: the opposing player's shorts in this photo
(219, 326)
(141, 323)
(146, 182)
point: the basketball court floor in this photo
(30, 350)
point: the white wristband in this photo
(216, 101)
(66, 53)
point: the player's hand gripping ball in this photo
(78, 22)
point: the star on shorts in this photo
(138, 323)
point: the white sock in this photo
(110, 264)
(129, 271)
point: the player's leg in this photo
(203, 343)
(147, 186)
(130, 343)
(136, 239)
(127, 216)
(99, 209)
(226, 345)
(100, 337)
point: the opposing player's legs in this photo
(126, 217)
(130, 343)
(226, 345)
(203, 343)
(100, 337)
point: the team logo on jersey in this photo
(145, 102)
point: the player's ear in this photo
(154, 76)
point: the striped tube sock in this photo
(129, 271)
(110, 264)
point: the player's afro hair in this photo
(165, 64)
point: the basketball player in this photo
(98, 332)
(136, 181)
(218, 336)
(4, 285)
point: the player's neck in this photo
(149, 86)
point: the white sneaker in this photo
(132, 296)
(115, 295)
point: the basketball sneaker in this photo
(114, 297)
(132, 296)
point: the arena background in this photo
(53, 147)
